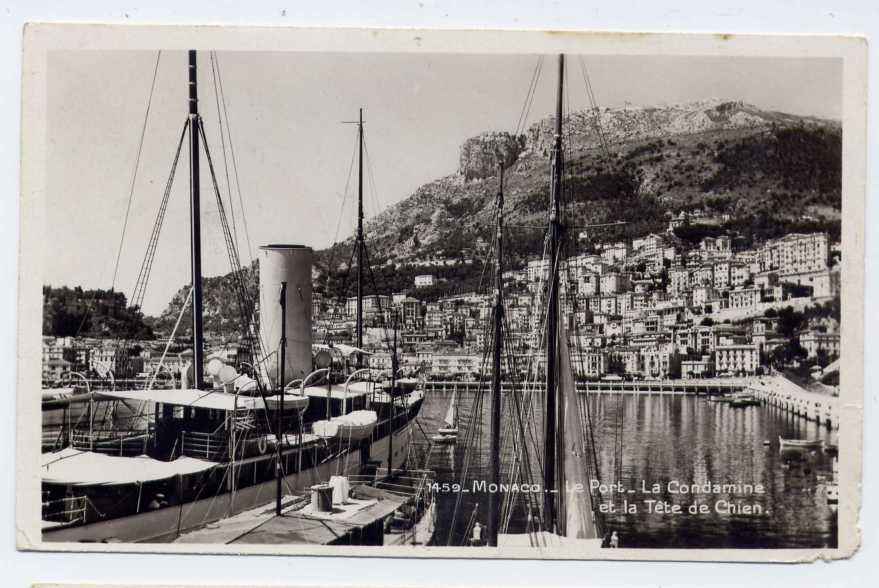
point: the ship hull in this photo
(165, 524)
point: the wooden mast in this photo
(392, 410)
(282, 378)
(360, 237)
(493, 496)
(195, 228)
(550, 416)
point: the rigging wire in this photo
(233, 157)
(568, 303)
(246, 303)
(223, 143)
(143, 276)
(370, 176)
(344, 201)
(331, 264)
(143, 129)
(593, 104)
(529, 95)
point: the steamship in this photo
(149, 465)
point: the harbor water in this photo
(667, 442)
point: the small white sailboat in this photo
(449, 433)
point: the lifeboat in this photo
(354, 426)
(291, 402)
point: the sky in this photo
(287, 114)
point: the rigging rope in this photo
(223, 144)
(146, 117)
(246, 305)
(341, 211)
(602, 138)
(567, 303)
(216, 59)
(245, 302)
(529, 96)
(170, 339)
(146, 266)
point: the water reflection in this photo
(682, 439)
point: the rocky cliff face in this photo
(767, 171)
(727, 155)
(636, 123)
(480, 155)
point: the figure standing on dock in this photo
(476, 538)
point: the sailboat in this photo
(449, 433)
(567, 516)
(235, 441)
(562, 513)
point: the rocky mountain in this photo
(634, 164)
(766, 173)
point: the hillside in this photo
(222, 315)
(770, 172)
(91, 313)
(727, 157)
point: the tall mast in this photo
(360, 236)
(550, 405)
(195, 232)
(493, 502)
(392, 411)
(282, 380)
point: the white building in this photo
(613, 283)
(814, 341)
(795, 253)
(737, 359)
(744, 298)
(424, 281)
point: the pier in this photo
(774, 390)
(699, 387)
(781, 393)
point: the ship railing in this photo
(244, 421)
(113, 442)
(210, 446)
(66, 510)
(53, 439)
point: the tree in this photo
(784, 354)
(789, 321)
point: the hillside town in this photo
(655, 307)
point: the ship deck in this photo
(298, 524)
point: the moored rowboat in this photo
(800, 443)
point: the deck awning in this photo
(217, 399)
(73, 467)
(338, 391)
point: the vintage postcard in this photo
(427, 293)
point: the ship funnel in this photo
(291, 264)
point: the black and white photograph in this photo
(553, 300)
